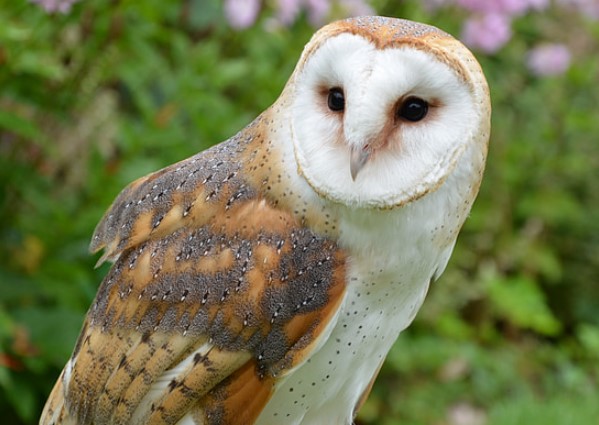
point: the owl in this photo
(264, 280)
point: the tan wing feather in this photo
(186, 194)
(203, 263)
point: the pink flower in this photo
(241, 13)
(288, 10)
(51, 6)
(589, 8)
(318, 10)
(357, 8)
(538, 4)
(488, 32)
(508, 7)
(549, 59)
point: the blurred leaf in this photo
(11, 32)
(521, 301)
(18, 125)
(18, 392)
(15, 287)
(41, 64)
(555, 207)
(589, 337)
(560, 410)
(54, 331)
(30, 253)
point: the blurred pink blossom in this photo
(549, 59)
(509, 7)
(318, 10)
(241, 13)
(538, 4)
(51, 6)
(493, 6)
(357, 8)
(488, 32)
(589, 8)
(288, 10)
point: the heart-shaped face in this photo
(380, 117)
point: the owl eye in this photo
(413, 109)
(336, 99)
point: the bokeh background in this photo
(94, 94)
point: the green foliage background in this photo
(94, 99)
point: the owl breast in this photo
(387, 281)
(329, 386)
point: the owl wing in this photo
(214, 295)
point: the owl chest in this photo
(393, 257)
(329, 385)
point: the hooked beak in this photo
(357, 160)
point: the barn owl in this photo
(264, 280)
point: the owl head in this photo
(384, 110)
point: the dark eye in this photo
(336, 100)
(413, 109)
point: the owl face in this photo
(379, 123)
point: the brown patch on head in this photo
(385, 32)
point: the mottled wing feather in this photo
(215, 294)
(237, 400)
(188, 193)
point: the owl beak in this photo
(357, 160)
